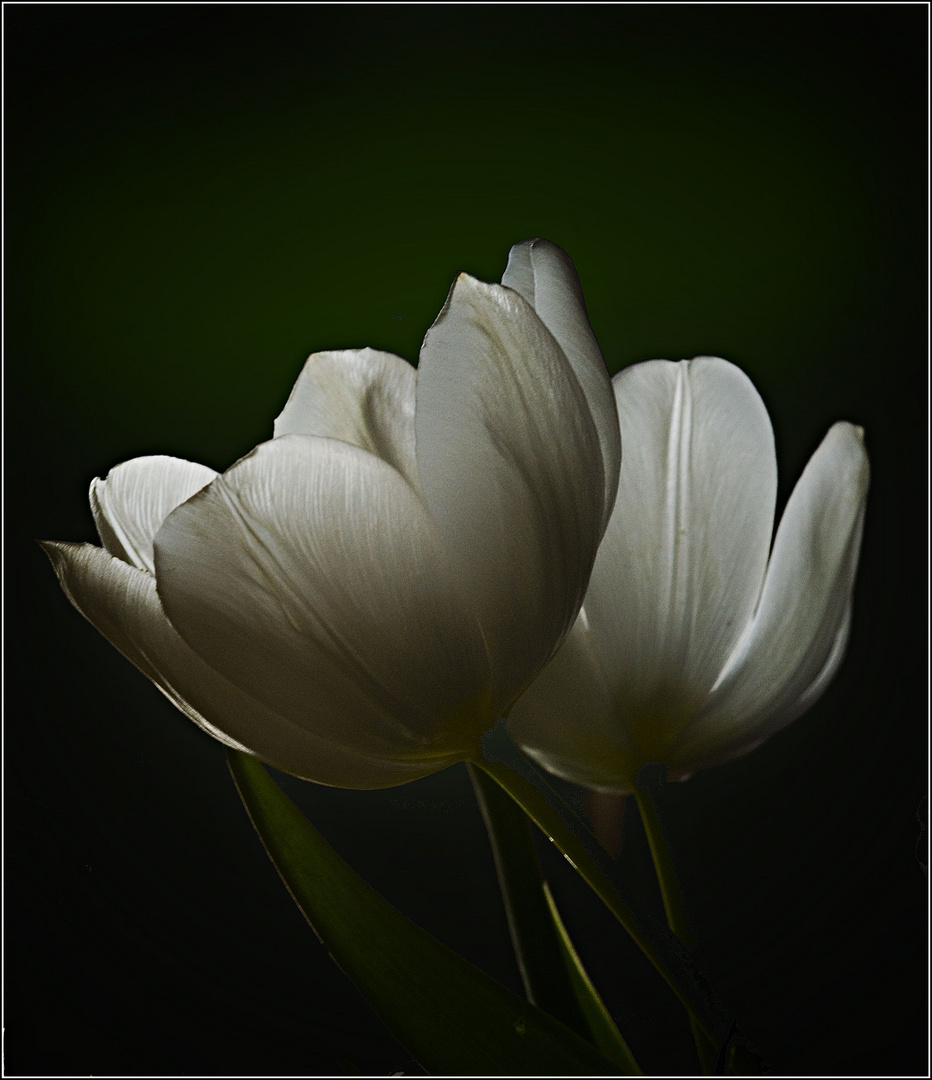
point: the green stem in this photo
(673, 905)
(552, 824)
(533, 934)
(553, 975)
(669, 883)
(666, 953)
(606, 811)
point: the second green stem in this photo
(533, 933)
(673, 905)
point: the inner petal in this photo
(130, 505)
(362, 396)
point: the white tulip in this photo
(358, 599)
(696, 642)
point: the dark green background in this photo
(196, 198)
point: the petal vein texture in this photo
(358, 599)
(705, 642)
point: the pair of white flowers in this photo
(416, 553)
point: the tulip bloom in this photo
(696, 642)
(358, 599)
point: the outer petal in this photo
(122, 604)
(511, 471)
(725, 742)
(361, 396)
(797, 637)
(130, 505)
(568, 722)
(312, 577)
(545, 276)
(680, 570)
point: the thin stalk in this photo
(606, 811)
(666, 954)
(533, 934)
(553, 975)
(667, 879)
(673, 905)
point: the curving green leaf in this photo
(602, 1028)
(517, 776)
(554, 977)
(449, 1015)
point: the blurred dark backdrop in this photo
(197, 197)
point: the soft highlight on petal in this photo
(122, 603)
(567, 720)
(693, 647)
(312, 577)
(800, 622)
(130, 505)
(733, 740)
(511, 471)
(680, 569)
(545, 276)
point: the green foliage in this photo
(452, 1017)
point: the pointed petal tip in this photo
(478, 293)
(536, 243)
(536, 256)
(50, 547)
(322, 355)
(55, 551)
(850, 439)
(68, 559)
(846, 426)
(468, 281)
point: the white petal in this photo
(121, 602)
(794, 709)
(130, 505)
(511, 471)
(312, 577)
(361, 396)
(681, 566)
(545, 276)
(567, 720)
(717, 741)
(797, 637)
